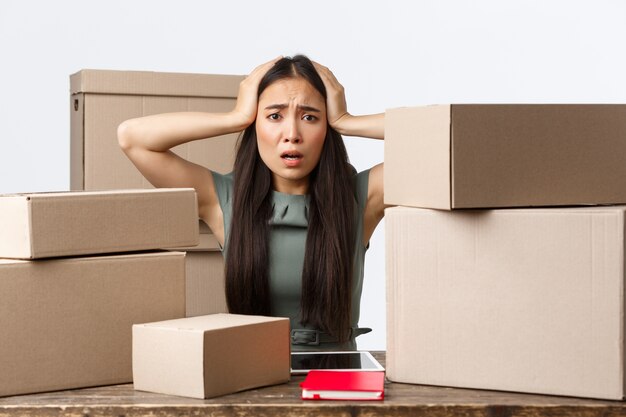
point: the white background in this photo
(385, 53)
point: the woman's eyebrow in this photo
(284, 106)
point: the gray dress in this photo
(286, 246)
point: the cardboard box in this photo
(102, 99)
(505, 155)
(528, 300)
(204, 276)
(76, 223)
(67, 323)
(208, 356)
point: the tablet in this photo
(303, 362)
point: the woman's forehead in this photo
(285, 91)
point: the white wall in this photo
(386, 53)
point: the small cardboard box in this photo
(208, 356)
(67, 323)
(102, 99)
(505, 155)
(528, 300)
(204, 276)
(43, 225)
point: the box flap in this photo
(208, 243)
(150, 83)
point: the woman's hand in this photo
(336, 107)
(246, 107)
(370, 126)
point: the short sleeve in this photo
(224, 189)
(360, 189)
(361, 182)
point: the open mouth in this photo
(291, 155)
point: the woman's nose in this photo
(292, 132)
(292, 139)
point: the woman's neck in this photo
(289, 186)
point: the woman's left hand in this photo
(369, 126)
(336, 108)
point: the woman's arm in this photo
(147, 142)
(366, 126)
(161, 132)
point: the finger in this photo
(319, 66)
(323, 73)
(267, 65)
(321, 70)
(327, 76)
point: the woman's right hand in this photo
(246, 107)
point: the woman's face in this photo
(291, 128)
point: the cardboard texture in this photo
(67, 323)
(102, 99)
(204, 276)
(208, 356)
(505, 155)
(528, 300)
(205, 283)
(204, 271)
(76, 223)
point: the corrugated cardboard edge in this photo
(149, 83)
(15, 224)
(622, 338)
(417, 145)
(96, 193)
(77, 145)
(99, 257)
(391, 294)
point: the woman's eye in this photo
(309, 118)
(274, 116)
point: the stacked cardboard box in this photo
(217, 356)
(66, 315)
(102, 99)
(518, 299)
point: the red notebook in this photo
(343, 385)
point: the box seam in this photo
(622, 319)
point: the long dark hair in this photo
(328, 262)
